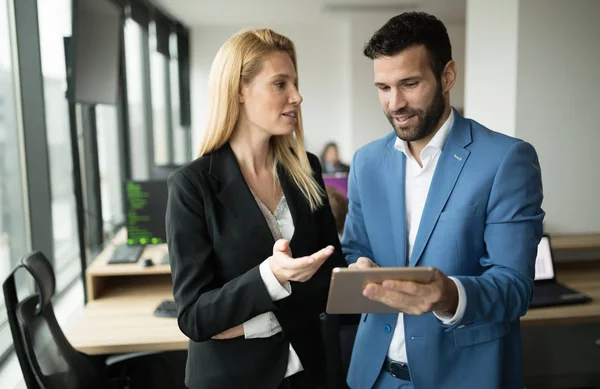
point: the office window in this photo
(161, 120)
(136, 96)
(13, 229)
(182, 149)
(160, 115)
(54, 24)
(109, 160)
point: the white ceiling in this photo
(216, 12)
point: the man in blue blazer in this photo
(440, 191)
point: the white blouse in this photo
(266, 325)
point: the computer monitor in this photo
(338, 181)
(162, 172)
(95, 57)
(146, 209)
(544, 266)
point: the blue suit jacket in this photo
(482, 223)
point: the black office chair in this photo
(47, 359)
(338, 332)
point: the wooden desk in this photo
(122, 321)
(102, 277)
(584, 278)
(119, 316)
(577, 242)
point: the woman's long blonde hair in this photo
(239, 60)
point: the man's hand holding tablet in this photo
(364, 287)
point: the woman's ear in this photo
(242, 98)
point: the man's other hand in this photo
(362, 263)
(415, 298)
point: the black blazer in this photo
(217, 238)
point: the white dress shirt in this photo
(417, 183)
(266, 325)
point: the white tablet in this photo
(347, 284)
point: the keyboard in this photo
(165, 260)
(125, 253)
(554, 294)
(167, 308)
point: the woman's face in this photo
(331, 154)
(269, 103)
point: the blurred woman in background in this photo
(330, 160)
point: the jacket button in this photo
(387, 328)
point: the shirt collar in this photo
(436, 143)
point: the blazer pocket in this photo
(480, 333)
(459, 213)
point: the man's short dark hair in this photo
(412, 29)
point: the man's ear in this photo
(449, 76)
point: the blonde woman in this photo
(251, 236)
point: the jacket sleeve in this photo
(355, 242)
(513, 230)
(205, 305)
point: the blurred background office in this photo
(97, 96)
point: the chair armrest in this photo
(118, 358)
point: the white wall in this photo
(367, 119)
(491, 63)
(558, 104)
(336, 79)
(458, 41)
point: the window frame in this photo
(34, 152)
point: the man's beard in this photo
(427, 119)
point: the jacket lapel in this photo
(396, 169)
(236, 197)
(451, 161)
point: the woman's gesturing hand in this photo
(286, 268)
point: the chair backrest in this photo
(47, 359)
(338, 332)
(11, 301)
